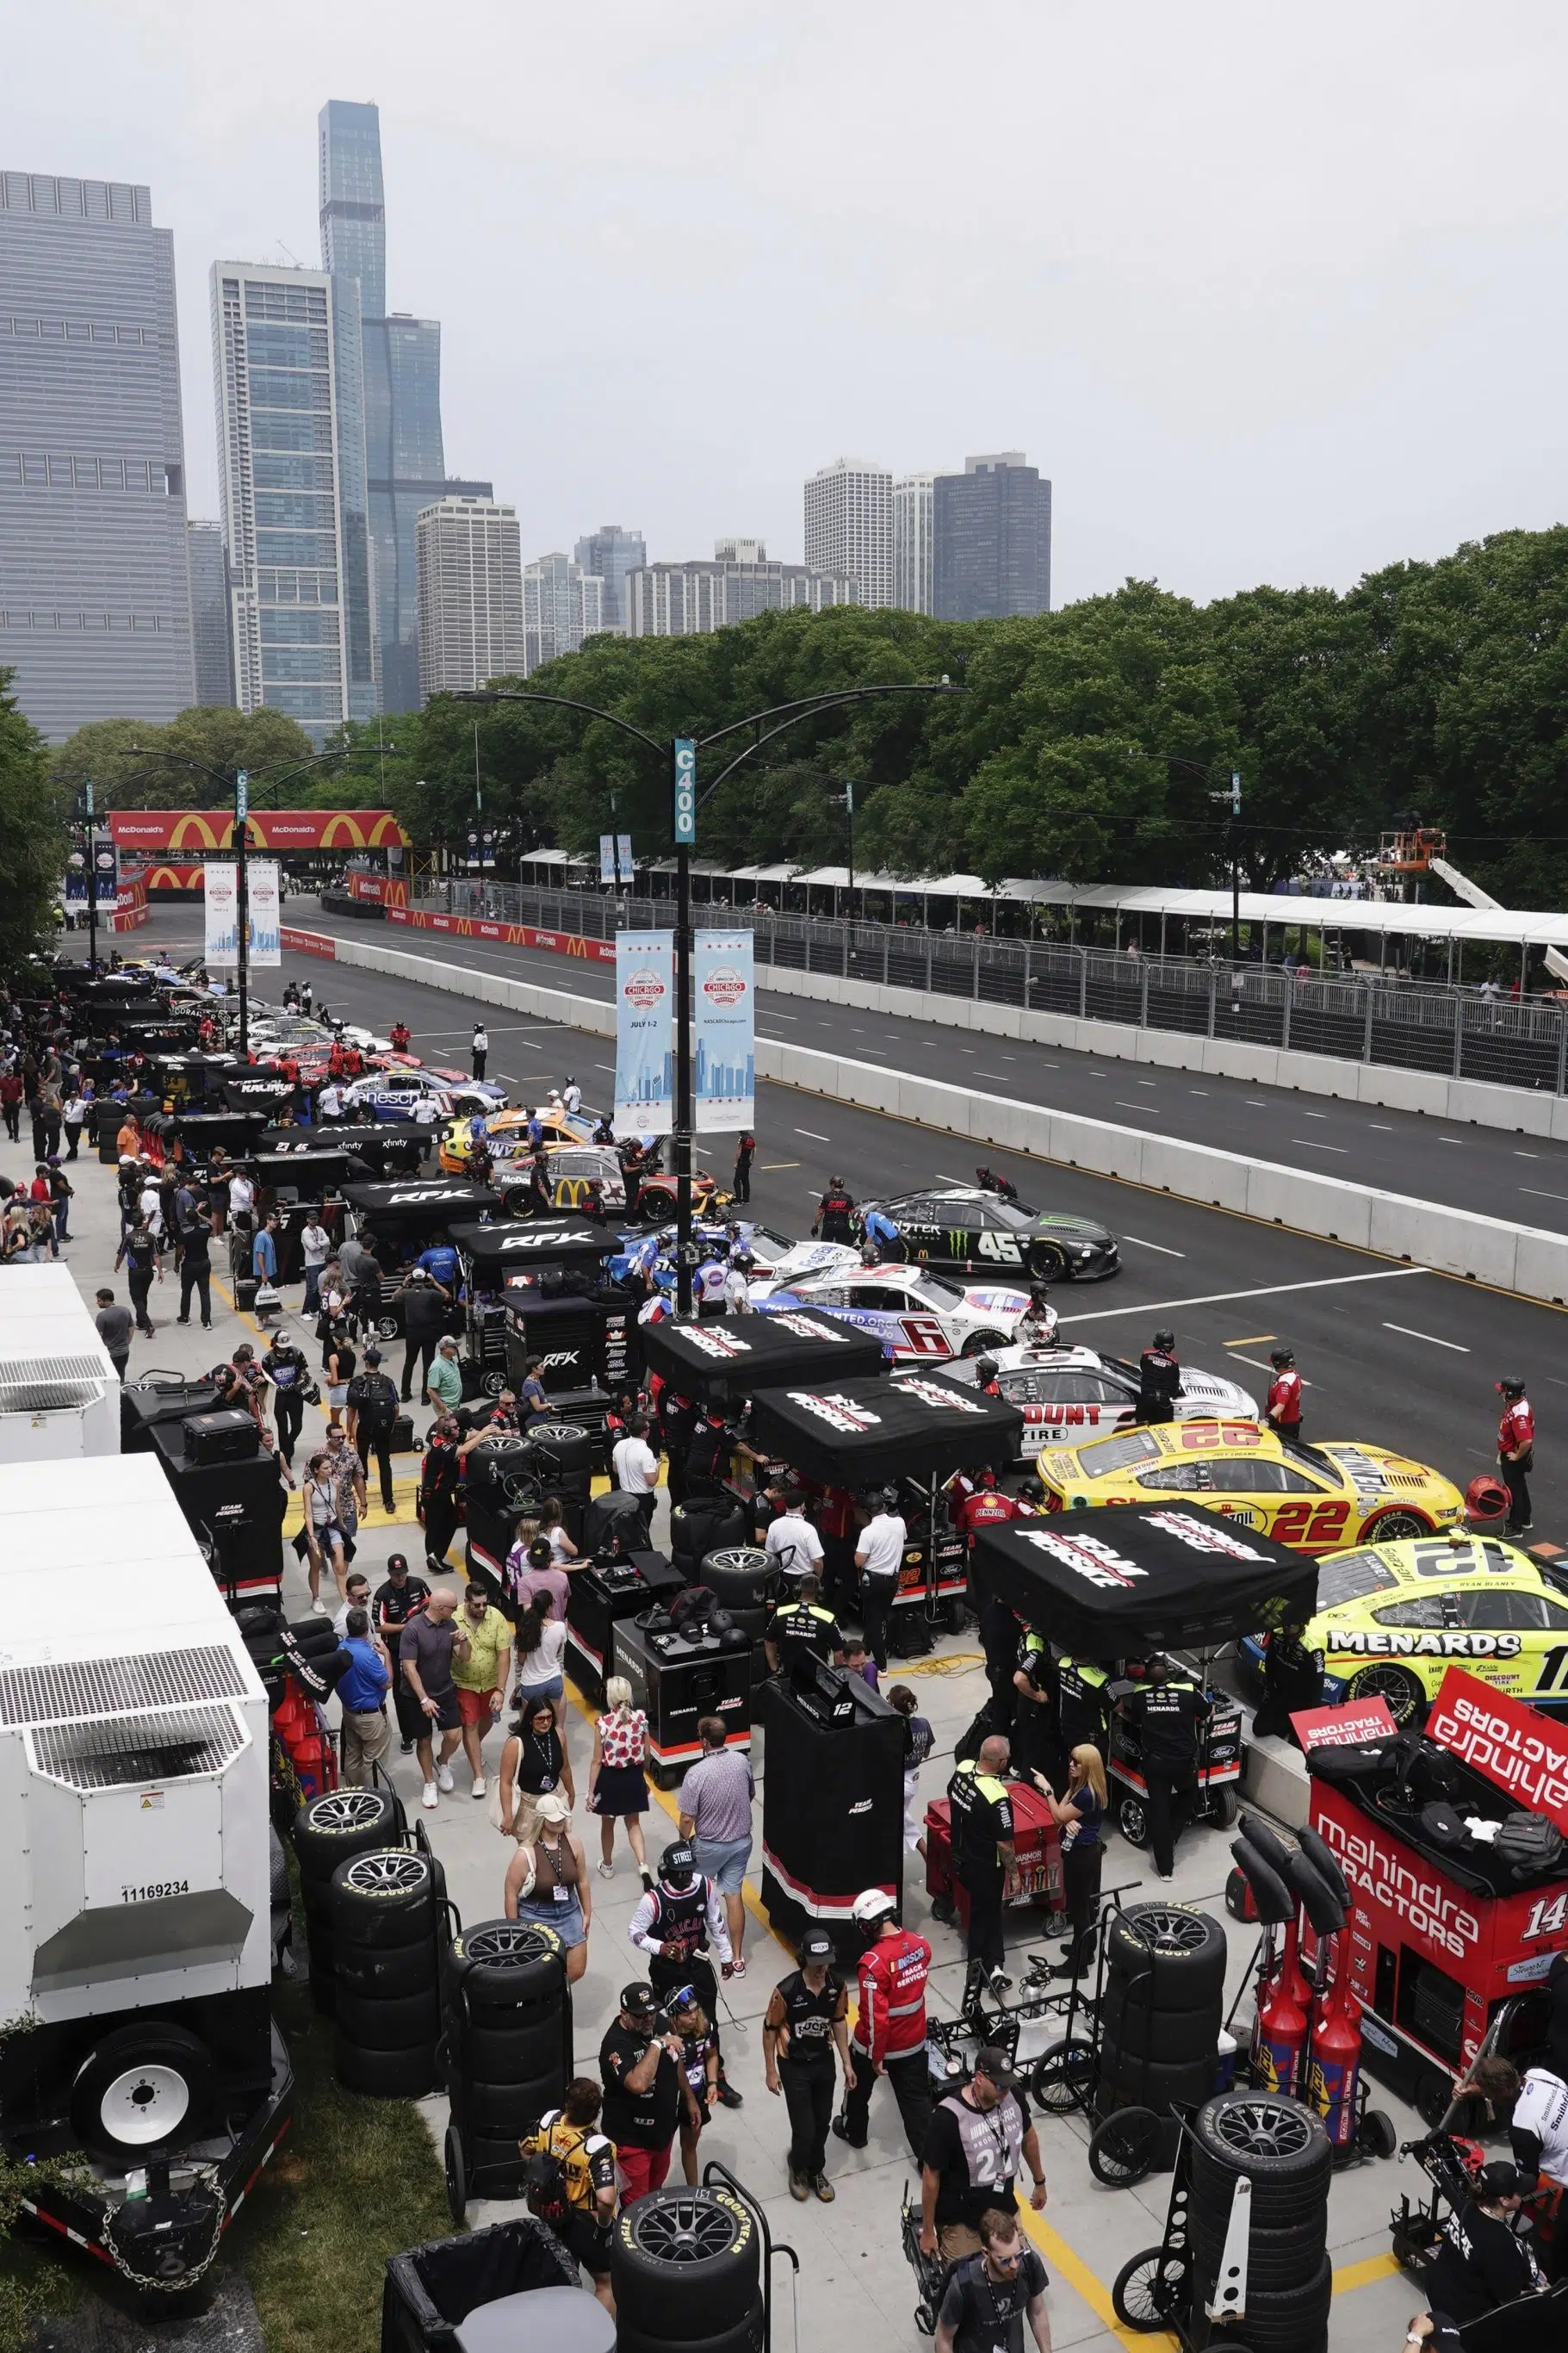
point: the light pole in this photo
(91, 883)
(1234, 799)
(849, 805)
(685, 801)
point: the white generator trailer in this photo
(135, 1944)
(60, 1394)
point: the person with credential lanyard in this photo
(989, 2295)
(1079, 1815)
(981, 2137)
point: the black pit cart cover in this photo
(257, 1090)
(861, 1433)
(422, 1202)
(736, 1356)
(516, 1245)
(1119, 1581)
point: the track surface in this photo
(1519, 1177)
(1396, 1355)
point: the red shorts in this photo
(473, 1707)
(642, 2169)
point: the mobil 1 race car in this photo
(1314, 1498)
(1393, 1618)
(1072, 1392)
(913, 1313)
(977, 1228)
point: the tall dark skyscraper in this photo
(610, 554)
(405, 459)
(992, 531)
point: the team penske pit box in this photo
(1452, 1934)
(1033, 1877)
(136, 1941)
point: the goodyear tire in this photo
(1405, 1700)
(1178, 1954)
(384, 1975)
(385, 1897)
(1280, 2319)
(738, 1574)
(513, 2055)
(140, 2089)
(1280, 2145)
(684, 2263)
(1048, 1262)
(1132, 2029)
(507, 2111)
(1127, 2083)
(503, 1968)
(493, 2164)
(407, 2075)
(747, 2336)
(387, 2025)
(562, 1449)
(1274, 2259)
(328, 1831)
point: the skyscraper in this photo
(405, 463)
(470, 595)
(913, 543)
(95, 615)
(687, 600)
(850, 526)
(610, 554)
(212, 648)
(285, 360)
(562, 605)
(992, 526)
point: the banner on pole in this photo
(220, 888)
(606, 857)
(266, 915)
(645, 1006)
(624, 854)
(724, 1045)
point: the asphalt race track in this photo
(1392, 1353)
(1519, 1177)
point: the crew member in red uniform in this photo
(1516, 1451)
(889, 2037)
(985, 1506)
(1283, 1409)
(401, 1036)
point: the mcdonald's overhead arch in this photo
(195, 831)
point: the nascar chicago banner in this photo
(725, 1042)
(645, 1000)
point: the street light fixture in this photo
(685, 801)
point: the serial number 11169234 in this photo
(154, 1890)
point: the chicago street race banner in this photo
(645, 1055)
(261, 897)
(221, 890)
(724, 1044)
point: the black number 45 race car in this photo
(972, 1229)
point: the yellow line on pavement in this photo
(1077, 2276)
(1362, 2274)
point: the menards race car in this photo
(913, 1313)
(969, 1228)
(1316, 1499)
(1074, 1392)
(1393, 1618)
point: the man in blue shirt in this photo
(362, 1691)
(264, 1250)
(440, 1262)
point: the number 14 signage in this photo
(684, 792)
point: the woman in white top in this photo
(562, 1548)
(540, 1644)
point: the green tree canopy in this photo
(33, 840)
(135, 765)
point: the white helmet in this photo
(873, 1905)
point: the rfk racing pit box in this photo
(1451, 1931)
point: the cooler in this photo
(1036, 1876)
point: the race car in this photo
(404, 1094)
(574, 1167)
(507, 1135)
(913, 1313)
(1316, 1498)
(1393, 1618)
(1062, 1389)
(969, 1228)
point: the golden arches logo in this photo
(199, 829)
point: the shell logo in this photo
(725, 987)
(643, 989)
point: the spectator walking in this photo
(138, 1254)
(443, 1386)
(547, 1879)
(61, 1192)
(440, 1474)
(534, 1761)
(430, 1644)
(643, 2093)
(115, 1326)
(806, 2022)
(371, 1400)
(286, 1368)
(617, 1776)
(533, 1572)
(480, 1675)
(363, 1693)
(11, 1102)
(342, 1364)
(323, 1531)
(197, 1274)
(316, 1249)
(716, 1816)
(74, 1116)
(401, 1598)
(540, 1653)
(264, 1249)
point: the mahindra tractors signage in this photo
(1512, 1746)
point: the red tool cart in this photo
(1034, 1876)
(1452, 1928)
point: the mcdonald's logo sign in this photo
(199, 831)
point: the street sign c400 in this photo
(684, 825)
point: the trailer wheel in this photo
(1432, 2098)
(1123, 2149)
(1133, 1821)
(1062, 2078)
(1223, 1804)
(1150, 2291)
(1378, 2134)
(457, 2176)
(138, 2088)
(386, 1327)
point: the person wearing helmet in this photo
(400, 1037)
(1039, 1324)
(1516, 1451)
(882, 1237)
(879, 1557)
(889, 2037)
(1283, 1411)
(987, 1376)
(833, 1212)
(1159, 1379)
(676, 1921)
(738, 1282)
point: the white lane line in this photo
(606, 1066)
(1526, 1156)
(1000, 1076)
(1256, 1103)
(1160, 1247)
(774, 1015)
(1407, 1332)
(1536, 1194)
(1450, 1139)
(1006, 1058)
(1380, 1126)
(1314, 1115)
(1267, 1290)
(1149, 1111)
(1198, 1091)
(813, 1135)
(1148, 1082)
(1307, 1145)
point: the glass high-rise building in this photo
(992, 533)
(470, 596)
(210, 640)
(405, 462)
(95, 615)
(913, 543)
(610, 554)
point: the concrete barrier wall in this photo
(1486, 1250)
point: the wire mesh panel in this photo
(1511, 1045)
(1178, 997)
(1004, 972)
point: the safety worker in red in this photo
(1516, 1451)
(889, 2037)
(985, 1506)
(401, 1036)
(1159, 1379)
(337, 1061)
(833, 1212)
(1283, 1409)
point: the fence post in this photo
(927, 964)
(1563, 1053)
(1288, 987)
(1083, 984)
(1366, 1028)
(1143, 999)
(887, 937)
(844, 938)
(1457, 1068)
(974, 971)
(1214, 993)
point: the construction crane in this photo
(1413, 849)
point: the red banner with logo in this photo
(511, 935)
(1515, 1749)
(378, 890)
(316, 944)
(202, 830)
(1361, 1723)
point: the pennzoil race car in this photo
(1393, 1618)
(912, 1313)
(1316, 1499)
(969, 1228)
(506, 1133)
(1068, 1391)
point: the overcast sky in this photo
(1270, 293)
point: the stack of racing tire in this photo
(745, 1582)
(507, 2051)
(1281, 2147)
(387, 1906)
(685, 2269)
(561, 1456)
(329, 1831)
(1159, 2025)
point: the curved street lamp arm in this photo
(792, 713)
(563, 703)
